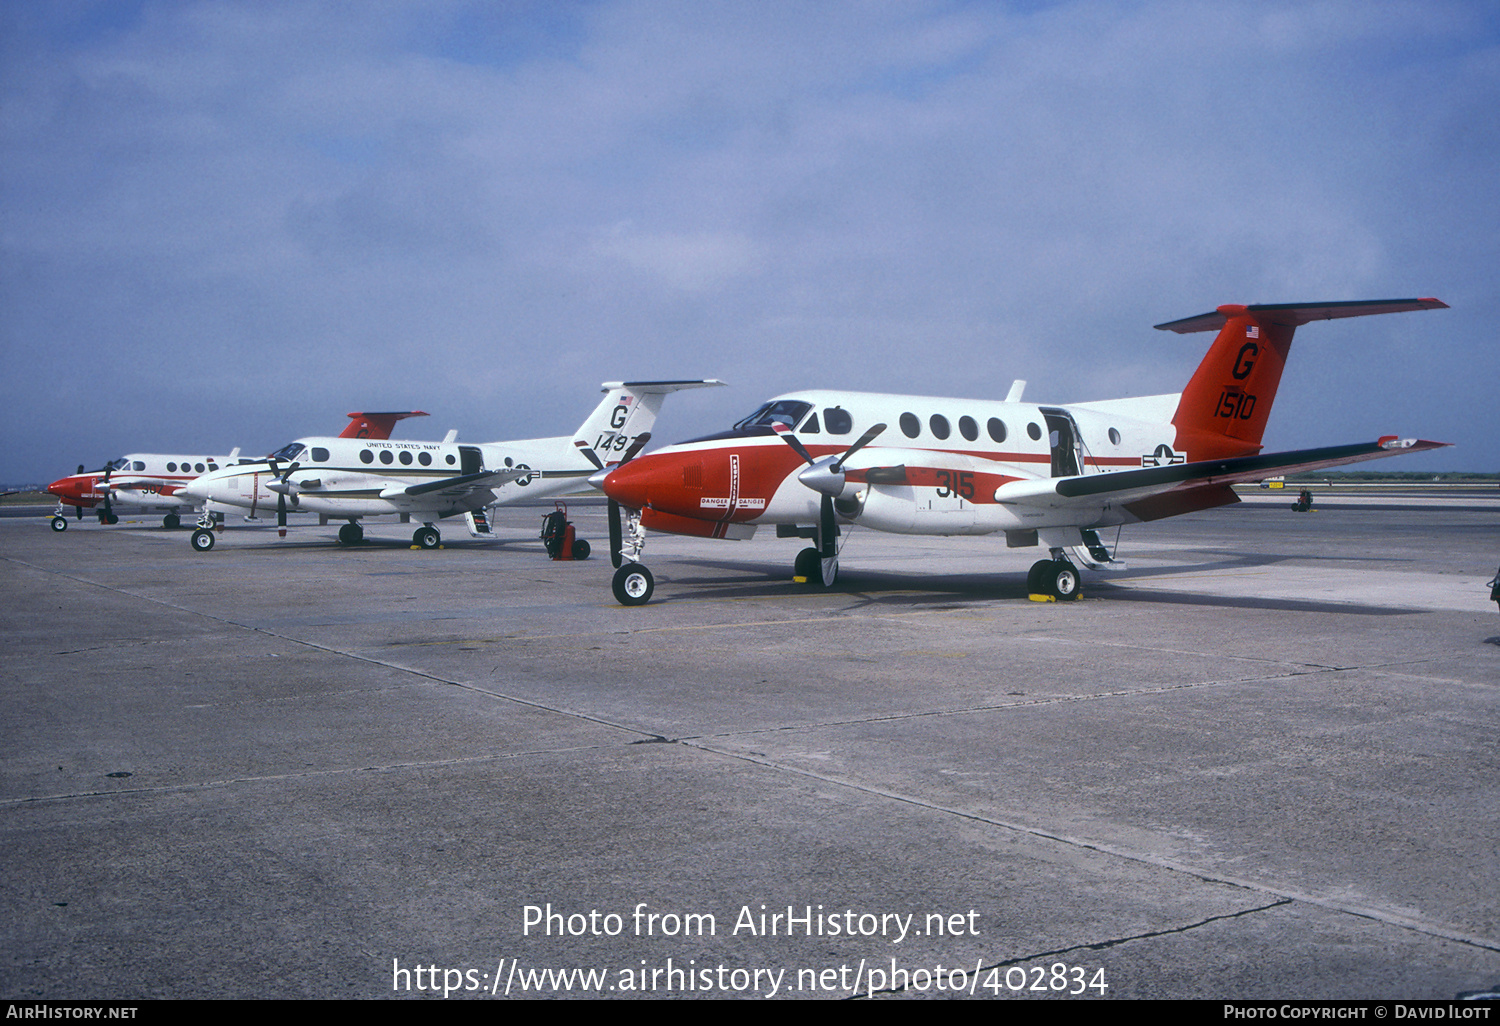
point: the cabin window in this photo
(911, 427)
(996, 428)
(968, 428)
(386, 457)
(838, 421)
(424, 458)
(198, 468)
(1035, 431)
(319, 455)
(212, 465)
(939, 425)
(366, 456)
(171, 468)
(1114, 436)
(405, 458)
(450, 459)
(811, 427)
(138, 465)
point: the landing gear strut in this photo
(203, 535)
(633, 583)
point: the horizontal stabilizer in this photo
(1293, 314)
(660, 387)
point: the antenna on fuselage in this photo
(451, 436)
(1016, 388)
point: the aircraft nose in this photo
(629, 485)
(194, 491)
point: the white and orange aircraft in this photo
(1045, 475)
(150, 481)
(349, 479)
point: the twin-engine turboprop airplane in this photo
(1048, 475)
(152, 481)
(347, 479)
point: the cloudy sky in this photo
(228, 223)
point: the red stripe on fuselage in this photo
(735, 483)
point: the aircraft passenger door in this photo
(1062, 436)
(471, 460)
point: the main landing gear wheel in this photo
(813, 570)
(1057, 578)
(171, 522)
(1062, 581)
(806, 570)
(108, 518)
(203, 540)
(59, 523)
(633, 585)
(425, 538)
(1036, 577)
(351, 534)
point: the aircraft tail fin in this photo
(628, 410)
(375, 425)
(1223, 409)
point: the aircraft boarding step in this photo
(479, 524)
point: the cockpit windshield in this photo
(288, 452)
(783, 411)
(119, 464)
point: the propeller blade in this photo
(827, 530)
(635, 447)
(864, 440)
(784, 431)
(616, 534)
(280, 509)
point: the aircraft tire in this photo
(581, 548)
(351, 534)
(1063, 581)
(1036, 577)
(59, 523)
(807, 569)
(203, 540)
(633, 585)
(427, 538)
(171, 522)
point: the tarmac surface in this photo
(1262, 763)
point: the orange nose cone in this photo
(630, 485)
(70, 487)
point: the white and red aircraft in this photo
(347, 479)
(151, 481)
(1048, 475)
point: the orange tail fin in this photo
(1223, 409)
(375, 425)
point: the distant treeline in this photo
(1396, 476)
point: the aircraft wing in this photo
(1155, 492)
(464, 484)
